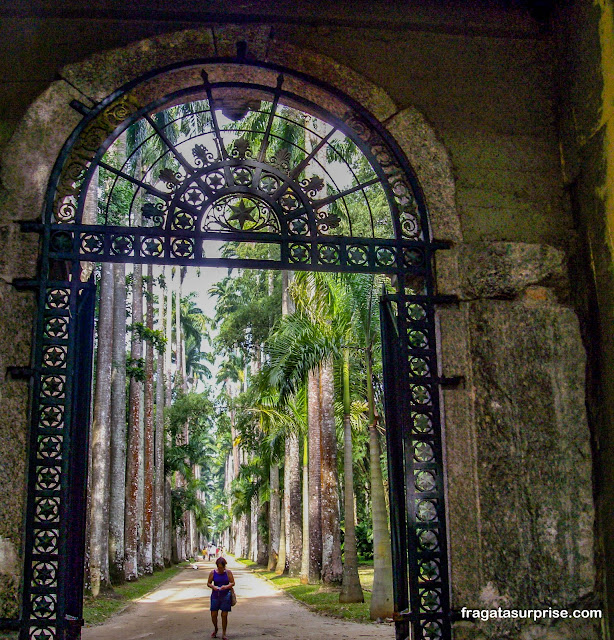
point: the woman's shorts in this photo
(222, 601)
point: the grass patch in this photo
(97, 610)
(320, 598)
(365, 572)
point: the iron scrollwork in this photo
(93, 135)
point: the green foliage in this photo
(247, 308)
(185, 499)
(207, 447)
(194, 410)
(364, 539)
(195, 328)
(114, 195)
(154, 336)
(135, 368)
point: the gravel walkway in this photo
(179, 610)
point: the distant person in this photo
(211, 551)
(221, 583)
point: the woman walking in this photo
(221, 583)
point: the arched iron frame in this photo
(62, 357)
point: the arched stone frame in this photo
(51, 120)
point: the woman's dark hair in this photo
(221, 561)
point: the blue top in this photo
(219, 580)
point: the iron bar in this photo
(216, 128)
(172, 148)
(135, 181)
(265, 140)
(318, 204)
(312, 154)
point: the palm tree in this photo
(361, 292)
(305, 558)
(195, 327)
(302, 343)
(134, 433)
(332, 569)
(168, 394)
(101, 435)
(293, 491)
(159, 522)
(351, 589)
(292, 473)
(278, 421)
(117, 489)
(232, 370)
(146, 560)
(315, 477)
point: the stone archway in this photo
(495, 282)
(52, 107)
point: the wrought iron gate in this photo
(239, 185)
(415, 465)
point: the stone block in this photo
(29, 156)
(15, 346)
(447, 271)
(461, 457)
(8, 557)
(9, 602)
(534, 471)
(505, 269)
(331, 72)
(101, 74)
(467, 631)
(429, 159)
(255, 36)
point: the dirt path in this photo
(179, 610)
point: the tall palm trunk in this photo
(315, 504)
(285, 517)
(274, 517)
(295, 532)
(101, 435)
(158, 520)
(117, 492)
(284, 537)
(305, 545)
(351, 590)
(168, 524)
(263, 551)
(179, 349)
(168, 354)
(168, 393)
(148, 452)
(133, 464)
(332, 569)
(382, 597)
(253, 528)
(183, 533)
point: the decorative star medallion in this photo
(242, 213)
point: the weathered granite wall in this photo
(25, 168)
(517, 440)
(584, 33)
